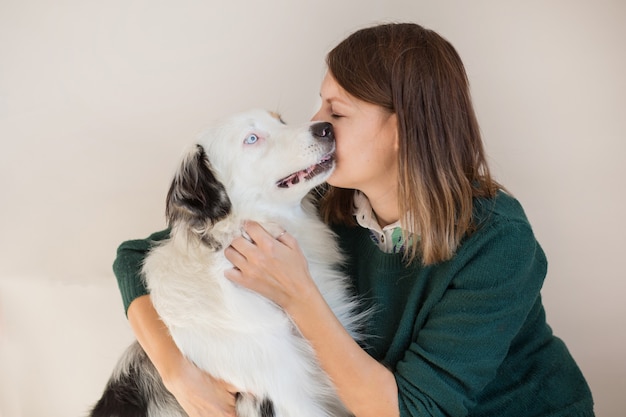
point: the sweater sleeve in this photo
(491, 286)
(128, 263)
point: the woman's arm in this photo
(365, 386)
(197, 392)
(278, 270)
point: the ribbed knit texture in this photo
(128, 263)
(467, 337)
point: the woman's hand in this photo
(274, 267)
(199, 393)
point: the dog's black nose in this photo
(323, 130)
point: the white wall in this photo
(97, 99)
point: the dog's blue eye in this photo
(250, 139)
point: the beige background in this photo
(97, 100)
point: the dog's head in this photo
(252, 164)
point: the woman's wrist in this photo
(172, 366)
(304, 298)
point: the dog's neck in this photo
(275, 218)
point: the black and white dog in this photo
(250, 166)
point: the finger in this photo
(242, 245)
(236, 276)
(235, 257)
(287, 239)
(258, 234)
(230, 387)
(241, 273)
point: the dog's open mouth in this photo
(323, 165)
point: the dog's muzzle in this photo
(322, 132)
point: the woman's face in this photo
(367, 141)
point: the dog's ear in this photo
(196, 197)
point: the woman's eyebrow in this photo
(334, 100)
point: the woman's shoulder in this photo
(504, 217)
(502, 251)
(503, 207)
(502, 230)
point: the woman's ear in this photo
(394, 120)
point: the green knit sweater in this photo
(466, 337)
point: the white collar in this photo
(365, 215)
(384, 237)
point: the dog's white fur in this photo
(233, 333)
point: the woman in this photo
(446, 257)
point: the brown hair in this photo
(418, 75)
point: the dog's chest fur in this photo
(224, 328)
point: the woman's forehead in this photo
(332, 92)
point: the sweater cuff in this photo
(128, 264)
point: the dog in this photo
(251, 166)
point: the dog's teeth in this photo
(305, 174)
